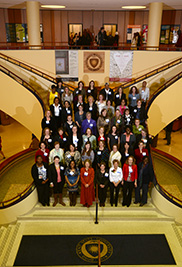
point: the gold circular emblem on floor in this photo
(87, 249)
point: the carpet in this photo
(52, 250)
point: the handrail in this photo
(99, 256)
(153, 72)
(31, 69)
(23, 83)
(26, 191)
(96, 211)
(161, 189)
(162, 88)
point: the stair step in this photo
(6, 234)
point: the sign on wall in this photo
(67, 65)
(121, 64)
(94, 62)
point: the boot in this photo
(74, 199)
(55, 200)
(71, 198)
(61, 200)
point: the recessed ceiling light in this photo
(52, 6)
(134, 7)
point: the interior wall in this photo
(20, 104)
(55, 23)
(165, 108)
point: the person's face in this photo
(47, 132)
(114, 129)
(104, 113)
(102, 167)
(66, 90)
(133, 90)
(59, 84)
(53, 90)
(122, 102)
(109, 103)
(72, 164)
(128, 130)
(80, 98)
(87, 164)
(39, 160)
(90, 100)
(145, 161)
(143, 133)
(101, 145)
(115, 165)
(144, 84)
(56, 101)
(137, 122)
(60, 132)
(56, 161)
(88, 132)
(115, 149)
(88, 117)
(42, 146)
(81, 85)
(120, 90)
(74, 129)
(92, 84)
(126, 146)
(66, 104)
(80, 108)
(117, 113)
(87, 146)
(72, 149)
(130, 161)
(56, 146)
(100, 97)
(69, 118)
(140, 145)
(107, 86)
(48, 113)
(139, 103)
(101, 130)
(127, 112)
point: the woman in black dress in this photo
(40, 175)
(57, 180)
(102, 179)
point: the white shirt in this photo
(56, 110)
(115, 176)
(144, 94)
(75, 140)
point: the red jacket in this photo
(139, 156)
(134, 174)
(45, 157)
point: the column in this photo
(33, 22)
(154, 24)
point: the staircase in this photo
(80, 220)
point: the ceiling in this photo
(93, 4)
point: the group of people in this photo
(90, 138)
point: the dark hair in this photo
(84, 150)
(80, 82)
(136, 89)
(103, 163)
(90, 83)
(72, 145)
(70, 163)
(42, 142)
(38, 156)
(56, 157)
(60, 129)
(56, 98)
(53, 86)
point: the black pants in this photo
(127, 193)
(58, 187)
(102, 194)
(43, 193)
(116, 189)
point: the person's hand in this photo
(122, 182)
(51, 185)
(87, 185)
(135, 184)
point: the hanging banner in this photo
(121, 64)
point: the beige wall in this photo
(20, 104)
(165, 108)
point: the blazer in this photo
(93, 110)
(134, 174)
(109, 96)
(53, 173)
(34, 172)
(147, 174)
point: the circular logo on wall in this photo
(94, 62)
(87, 249)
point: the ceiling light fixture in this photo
(133, 7)
(52, 6)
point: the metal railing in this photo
(23, 83)
(160, 188)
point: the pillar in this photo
(154, 24)
(33, 22)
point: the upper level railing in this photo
(173, 161)
(23, 83)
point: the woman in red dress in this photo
(87, 184)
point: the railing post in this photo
(96, 211)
